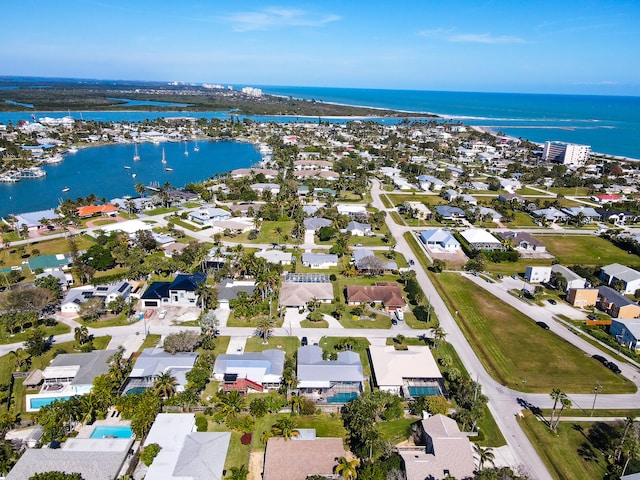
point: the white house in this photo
(208, 215)
(439, 240)
(358, 229)
(320, 260)
(75, 297)
(629, 277)
(573, 279)
(275, 256)
(537, 274)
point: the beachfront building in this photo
(566, 153)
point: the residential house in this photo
(357, 229)
(354, 211)
(417, 210)
(550, 214)
(588, 214)
(49, 263)
(446, 452)
(235, 225)
(479, 239)
(153, 362)
(450, 195)
(254, 371)
(408, 373)
(260, 188)
(430, 183)
(627, 332)
(69, 374)
(277, 257)
(510, 184)
(130, 227)
(230, 289)
(299, 289)
(313, 224)
(388, 294)
(616, 305)
(469, 199)
(92, 210)
(32, 220)
(329, 381)
(179, 293)
(618, 217)
(366, 261)
(304, 456)
(627, 277)
(94, 458)
(582, 297)
(269, 174)
(184, 452)
(75, 297)
(448, 212)
(524, 241)
(573, 279)
(65, 280)
(440, 241)
(208, 215)
(320, 260)
(486, 212)
(537, 274)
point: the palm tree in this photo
(229, 405)
(347, 468)
(81, 334)
(484, 455)
(140, 188)
(438, 335)
(278, 231)
(556, 395)
(264, 328)
(285, 428)
(238, 473)
(165, 385)
(564, 403)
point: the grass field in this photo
(561, 451)
(512, 347)
(59, 329)
(288, 344)
(427, 199)
(587, 250)
(267, 233)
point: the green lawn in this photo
(116, 321)
(587, 250)
(310, 324)
(268, 233)
(288, 344)
(396, 431)
(238, 454)
(512, 347)
(572, 192)
(6, 338)
(521, 219)
(161, 211)
(106, 221)
(426, 198)
(561, 451)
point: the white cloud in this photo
(271, 18)
(448, 35)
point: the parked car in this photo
(613, 367)
(400, 315)
(500, 276)
(304, 342)
(394, 321)
(514, 276)
(162, 314)
(592, 317)
(552, 301)
(600, 358)
(411, 262)
(543, 325)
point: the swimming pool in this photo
(424, 391)
(37, 403)
(342, 397)
(112, 432)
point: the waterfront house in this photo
(33, 220)
(93, 210)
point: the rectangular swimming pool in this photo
(416, 392)
(112, 432)
(36, 403)
(342, 397)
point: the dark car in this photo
(592, 317)
(411, 262)
(600, 358)
(394, 321)
(613, 367)
(304, 342)
(543, 325)
(552, 301)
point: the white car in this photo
(400, 315)
(162, 314)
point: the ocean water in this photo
(609, 124)
(101, 170)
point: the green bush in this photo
(149, 453)
(201, 423)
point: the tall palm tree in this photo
(165, 385)
(564, 403)
(347, 468)
(556, 395)
(484, 455)
(285, 428)
(438, 335)
(140, 189)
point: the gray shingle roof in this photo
(92, 364)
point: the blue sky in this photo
(584, 46)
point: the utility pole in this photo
(595, 396)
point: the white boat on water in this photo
(136, 156)
(31, 172)
(134, 175)
(164, 160)
(65, 189)
(186, 152)
(9, 178)
(127, 167)
(196, 148)
(73, 150)
(169, 169)
(57, 158)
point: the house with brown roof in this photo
(388, 294)
(445, 452)
(301, 456)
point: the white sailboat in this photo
(186, 152)
(164, 160)
(196, 148)
(136, 157)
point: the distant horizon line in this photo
(235, 84)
